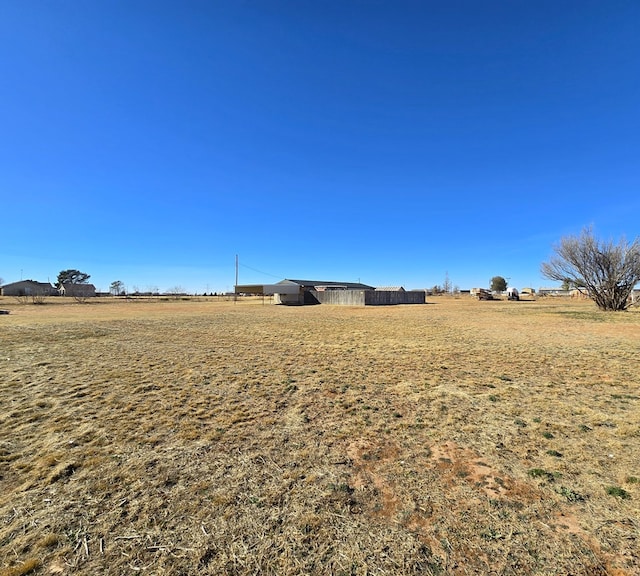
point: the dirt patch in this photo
(456, 463)
(375, 472)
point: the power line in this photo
(259, 271)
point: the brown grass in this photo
(202, 437)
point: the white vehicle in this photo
(513, 294)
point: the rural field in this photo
(180, 437)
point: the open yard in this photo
(203, 437)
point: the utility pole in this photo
(235, 287)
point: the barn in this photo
(305, 292)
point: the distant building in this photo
(301, 292)
(553, 292)
(77, 290)
(28, 288)
(579, 293)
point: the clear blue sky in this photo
(388, 141)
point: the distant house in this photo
(580, 293)
(558, 292)
(300, 292)
(77, 290)
(28, 288)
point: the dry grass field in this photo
(202, 437)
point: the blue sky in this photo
(391, 142)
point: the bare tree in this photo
(607, 271)
(176, 292)
(38, 297)
(446, 287)
(117, 288)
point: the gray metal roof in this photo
(27, 282)
(314, 283)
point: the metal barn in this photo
(305, 292)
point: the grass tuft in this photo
(26, 567)
(618, 492)
(571, 495)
